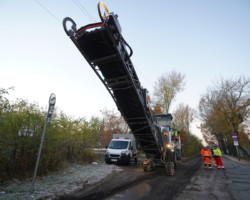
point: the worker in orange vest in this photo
(206, 157)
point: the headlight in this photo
(124, 152)
(168, 146)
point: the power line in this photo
(42, 6)
(85, 12)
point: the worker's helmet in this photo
(215, 146)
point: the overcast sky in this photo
(204, 40)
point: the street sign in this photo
(52, 102)
(235, 139)
(52, 99)
(236, 143)
(234, 134)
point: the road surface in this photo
(232, 183)
(190, 182)
(160, 186)
(205, 184)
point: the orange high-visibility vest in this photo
(206, 152)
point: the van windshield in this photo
(118, 144)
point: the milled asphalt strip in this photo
(97, 193)
(105, 188)
(176, 182)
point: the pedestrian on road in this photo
(206, 156)
(217, 157)
(212, 151)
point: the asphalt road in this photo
(232, 183)
(160, 186)
(191, 182)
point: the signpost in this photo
(236, 143)
(52, 102)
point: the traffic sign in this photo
(52, 102)
(235, 139)
(234, 134)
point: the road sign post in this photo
(52, 102)
(236, 144)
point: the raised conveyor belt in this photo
(104, 48)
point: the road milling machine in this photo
(109, 55)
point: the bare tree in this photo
(233, 100)
(166, 89)
(112, 123)
(224, 109)
(183, 116)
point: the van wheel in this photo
(108, 162)
(135, 161)
(128, 162)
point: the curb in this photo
(242, 161)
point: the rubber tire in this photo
(108, 162)
(128, 162)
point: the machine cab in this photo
(164, 120)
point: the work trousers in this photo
(207, 160)
(219, 162)
(215, 164)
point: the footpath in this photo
(233, 183)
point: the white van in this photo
(121, 149)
